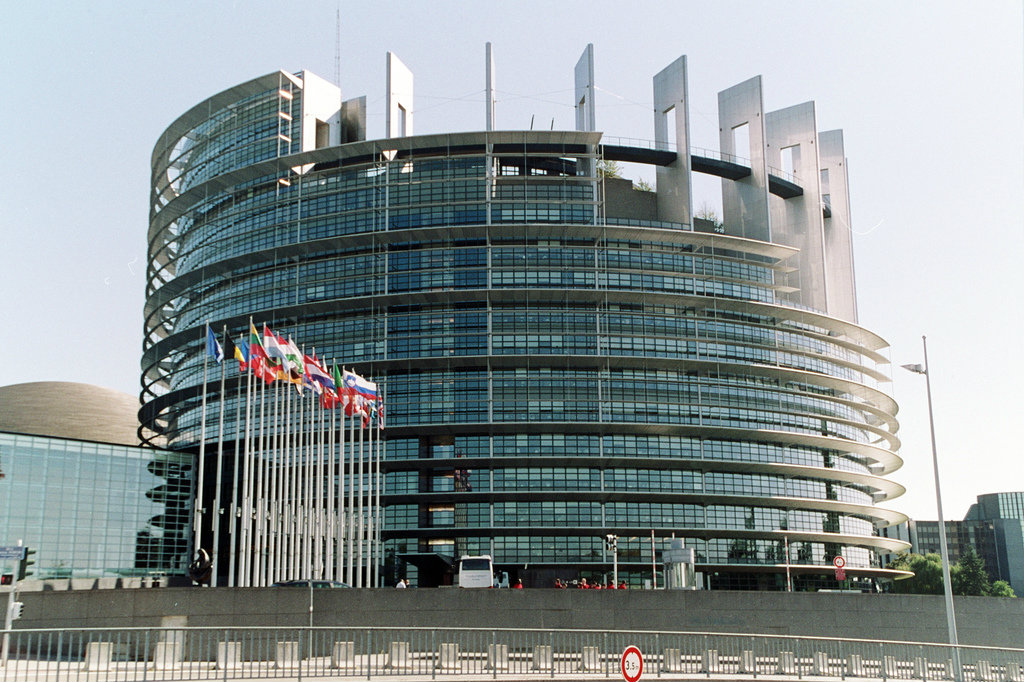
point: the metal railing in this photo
(102, 655)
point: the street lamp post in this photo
(947, 583)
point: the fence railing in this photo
(108, 655)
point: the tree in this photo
(708, 213)
(969, 576)
(642, 185)
(927, 572)
(609, 169)
(1001, 588)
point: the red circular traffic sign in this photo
(632, 664)
(839, 562)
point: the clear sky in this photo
(929, 95)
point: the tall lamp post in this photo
(946, 581)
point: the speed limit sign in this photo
(632, 664)
(839, 562)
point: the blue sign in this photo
(12, 553)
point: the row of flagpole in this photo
(289, 517)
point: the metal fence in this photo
(114, 655)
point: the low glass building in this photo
(564, 356)
(88, 508)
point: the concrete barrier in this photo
(787, 663)
(590, 660)
(890, 668)
(229, 655)
(820, 664)
(855, 666)
(983, 671)
(168, 655)
(709, 661)
(497, 656)
(672, 660)
(398, 656)
(343, 655)
(448, 657)
(1014, 672)
(920, 668)
(542, 658)
(748, 663)
(98, 655)
(287, 655)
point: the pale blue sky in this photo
(929, 95)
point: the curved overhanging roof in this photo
(886, 487)
(870, 541)
(871, 395)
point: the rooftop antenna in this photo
(337, 46)
(531, 121)
(552, 122)
(489, 63)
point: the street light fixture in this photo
(946, 581)
(611, 542)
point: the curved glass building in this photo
(563, 356)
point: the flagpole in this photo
(319, 558)
(369, 504)
(198, 508)
(273, 497)
(245, 519)
(233, 515)
(350, 479)
(215, 519)
(361, 520)
(379, 486)
(329, 520)
(259, 516)
(294, 495)
(277, 491)
(342, 527)
(306, 489)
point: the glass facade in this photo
(93, 510)
(551, 374)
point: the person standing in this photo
(401, 585)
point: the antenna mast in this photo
(337, 46)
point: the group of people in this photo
(518, 585)
(582, 584)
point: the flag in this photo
(362, 396)
(242, 355)
(349, 399)
(213, 348)
(293, 356)
(333, 397)
(272, 349)
(366, 390)
(233, 351)
(258, 357)
(316, 374)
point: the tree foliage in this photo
(1001, 588)
(609, 169)
(642, 185)
(927, 572)
(968, 575)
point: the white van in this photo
(476, 571)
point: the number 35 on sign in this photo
(632, 664)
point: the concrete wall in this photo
(981, 620)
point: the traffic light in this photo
(7, 579)
(26, 563)
(16, 609)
